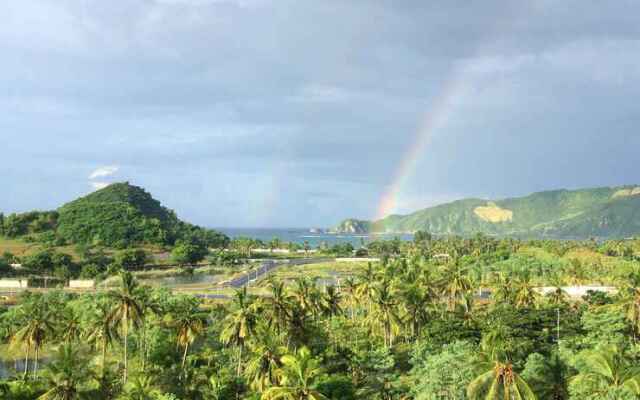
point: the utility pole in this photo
(558, 327)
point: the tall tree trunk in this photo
(239, 370)
(35, 365)
(144, 346)
(125, 330)
(184, 356)
(26, 362)
(104, 356)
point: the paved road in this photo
(268, 266)
(265, 268)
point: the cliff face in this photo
(353, 226)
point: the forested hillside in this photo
(119, 215)
(577, 214)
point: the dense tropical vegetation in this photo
(120, 215)
(447, 318)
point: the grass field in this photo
(328, 271)
(18, 247)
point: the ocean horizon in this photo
(314, 238)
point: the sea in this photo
(315, 238)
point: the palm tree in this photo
(239, 325)
(630, 302)
(503, 289)
(499, 381)
(415, 301)
(189, 325)
(140, 388)
(366, 284)
(266, 352)
(609, 369)
(278, 304)
(456, 285)
(526, 295)
(351, 288)
(554, 383)
(100, 331)
(37, 329)
(331, 302)
(306, 295)
(297, 377)
(70, 326)
(385, 310)
(65, 374)
(127, 311)
(148, 305)
(558, 296)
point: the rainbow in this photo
(434, 119)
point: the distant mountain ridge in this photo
(606, 212)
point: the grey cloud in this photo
(217, 105)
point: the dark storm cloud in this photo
(295, 113)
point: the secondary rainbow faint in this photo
(434, 119)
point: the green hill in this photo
(600, 212)
(119, 215)
(352, 226)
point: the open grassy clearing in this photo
(20, 248)
(320, 271)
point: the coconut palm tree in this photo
(70, 327)
(385, 310)
(100, 331)
(140, 388)
(278, 303)
(65, 374)
(266, 351)
(416, 301)
(366, 282)
(499, 381)
(330, 302)
(189, 325)
(609, 369)
(456, 284)
(503, 289)
(630, 302)
(38, 327)
(306, 295)
(149, 306)
(351, 289)
(526, 295)
(558, 296)
(127, 311)
(297, 377)
(239, 325)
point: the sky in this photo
(264, 113)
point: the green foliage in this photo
(185, 253)
(414, 325)
(561, 214)
(444, 375)
(341, 250)
(605, 325)
(131, 258)
(547, 377)
(337, 387)
(605, 373)
(120, 215)
(34, 222)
